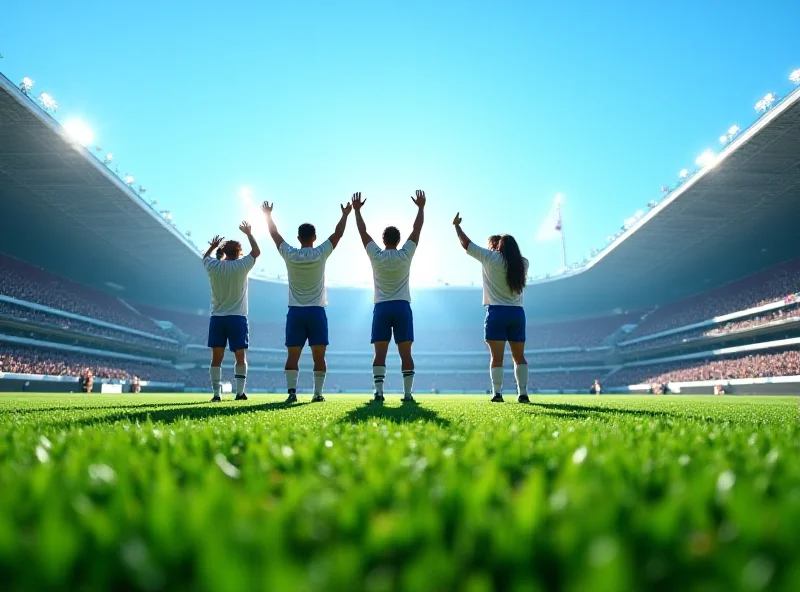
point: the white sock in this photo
(378, 377)
(215, 372)
(240, 373)
(521, 374)
(291, 380)
(497, 380)
(319, 381)
(408, 382)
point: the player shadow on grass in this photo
(406, 413)
(189, 411)
(70, 408)
(567, 410)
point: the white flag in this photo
(551, 227)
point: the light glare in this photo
(26, 84)
(129, 179)
(78, 131)
(706, 159)
(683, 174)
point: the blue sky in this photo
(491, 107)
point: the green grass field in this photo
(577, 493)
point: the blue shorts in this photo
(229, 330)
(393, 315)
(504, 323)
(306, 323)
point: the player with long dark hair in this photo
(504, 274)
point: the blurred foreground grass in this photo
(578, 493)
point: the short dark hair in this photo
(232, 250)
(306, 231)
(391, 236)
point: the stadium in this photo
(692, 296)
(117, 473)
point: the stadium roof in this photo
(64, 210)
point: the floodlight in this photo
(129, 179)
(638, 214)
(78, 131)
(652, 204)
(706, 159)
(142, 189)
(167, 214)
(109, 157)
(683, 174)
(609, 238)
(764, 104)
(733, 130)
(794, 77)
(48, 102)
(724, 139)
(26, 84)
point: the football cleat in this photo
(292, 398)
(216, 399)
(241, 397)
(378, 398)
(317, 399)
(498, 398)
(408, 399)
(523, 399)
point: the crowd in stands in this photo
(782, 314)
(777, 283)
(25, 282)
(80, 327)
(786, 363)
(789, 313)
(53, 362)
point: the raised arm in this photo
(338, 232)
(213, 244)
(463, 238)
(248, 232)
(267, 207)
(358, 203)
(420, 202)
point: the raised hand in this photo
(266, 207)
(420, 199)
(457, 220)
(346, 209)
(357, 202)
(246, 228)
(216, 241)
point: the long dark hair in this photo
(515, 264)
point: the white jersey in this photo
(391, 269)
(306, 270)
(495, 286)
(228, 281)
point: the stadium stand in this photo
(79, 328)
(771, 285)
(54, 362)
(31, 284)
(786, 363)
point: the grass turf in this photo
(578, 493)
